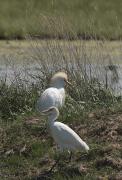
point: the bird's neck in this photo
(62, 90)
(58, 84)
(62, 93)
(52, 118)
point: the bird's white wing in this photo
(65, 135)
(50, 97)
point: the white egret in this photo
(63, 135)
(55, 94)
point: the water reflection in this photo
(109, 75)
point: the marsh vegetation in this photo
(92, 109)
(60, 18)
(54, 37)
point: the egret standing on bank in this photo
(55, 94)
(63, 135)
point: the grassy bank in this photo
(27, 150)
(62, 19)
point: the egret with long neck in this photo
(63, 135)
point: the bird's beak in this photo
(68, 83)
(45, 112)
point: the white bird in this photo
(54, 95)
(63, 135)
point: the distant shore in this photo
(98, 20)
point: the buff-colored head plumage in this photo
(59, 75)
(59, 80)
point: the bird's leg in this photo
(70, 156)
(54, 165)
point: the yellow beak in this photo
(68, 83)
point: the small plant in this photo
(86, 93)
(16, 99)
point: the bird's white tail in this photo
(85, 146)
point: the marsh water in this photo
(24, 60)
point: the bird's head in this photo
(52, 113)
(59, 80)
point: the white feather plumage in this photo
(63, 135)
(55, 95)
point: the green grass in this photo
(60, 18)
(51, 56)
(27, 150)
(103, 159)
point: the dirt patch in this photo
(109, 161)
(107, 127)
(101, 130)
